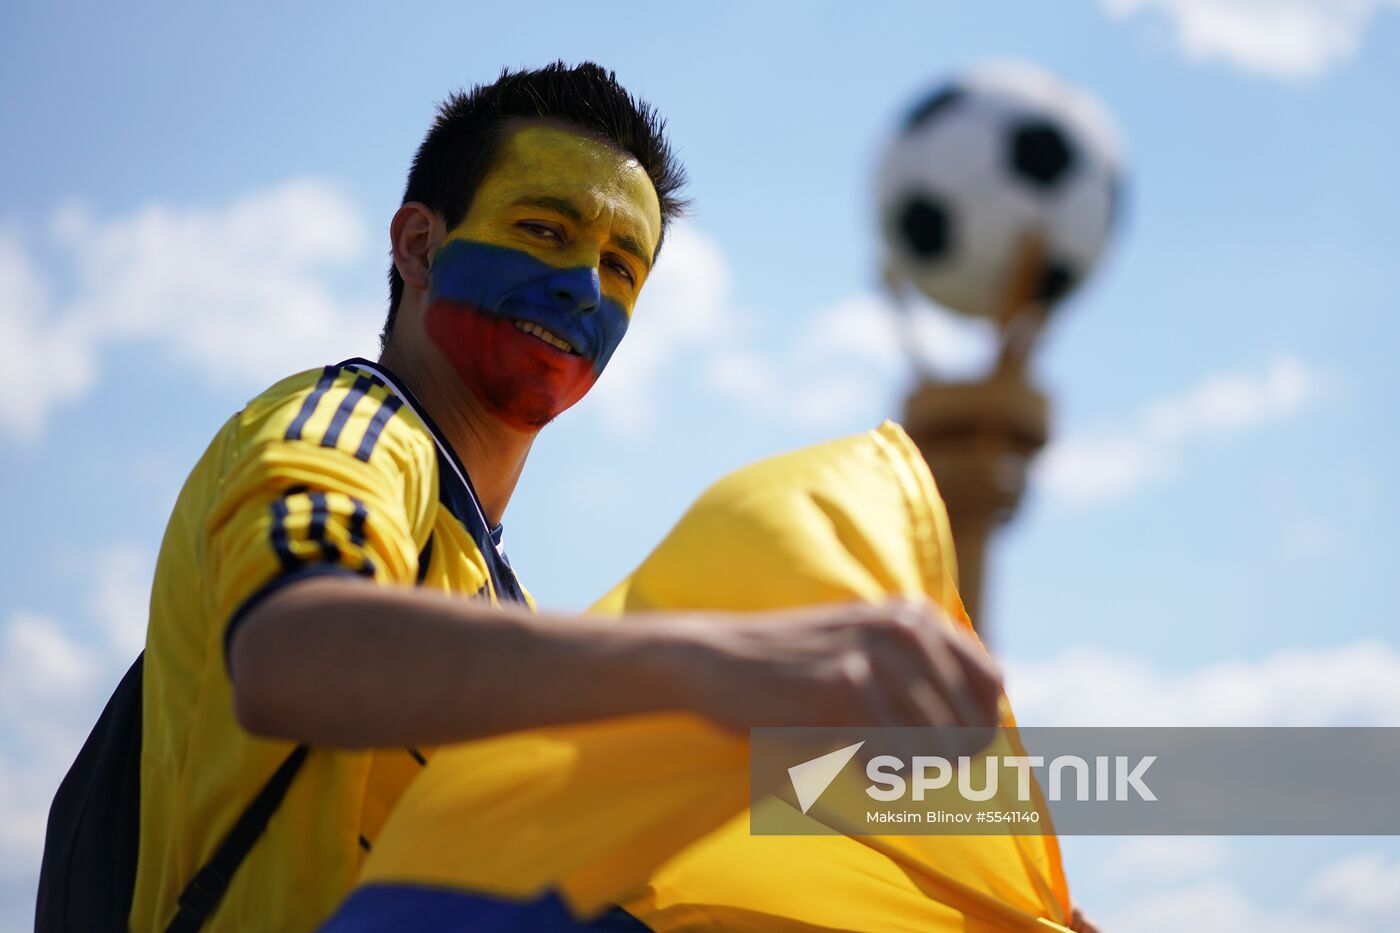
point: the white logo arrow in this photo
(811, 778)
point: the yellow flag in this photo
(650, 812)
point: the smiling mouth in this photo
(548, 336)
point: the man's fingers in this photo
(978, 673)
(983, 673)
(982, 677)
(901, 662)
(866, 675)
(952, 678)
(921, 703)
(957, 666)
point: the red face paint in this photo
(519, 378)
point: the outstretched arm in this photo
(344, 662)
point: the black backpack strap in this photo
(207, 887)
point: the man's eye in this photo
(543, 231)
(621, 268)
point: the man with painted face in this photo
(332, 598)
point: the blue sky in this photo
(1209, 539)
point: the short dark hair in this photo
(465, 138)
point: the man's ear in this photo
(415, 233)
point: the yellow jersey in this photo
(332, 471)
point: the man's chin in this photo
(515, 377)
(531, 419)
(527, 412)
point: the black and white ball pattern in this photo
(1003, 150)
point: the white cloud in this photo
(1228, 402)
(41, 664)
(874, 330)
(48, 361)
(1352, 685)
(1166, 858)
(1294, 39)
(810, 381)
(1088, 470)
(948, 346)
(238, 293)
(1095, 468)
(1363, 885)
(1358, 893)
(847, 359)
(1220, 905)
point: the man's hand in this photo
(892, 664)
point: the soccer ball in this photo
(1005, 150)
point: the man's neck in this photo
(492, 452)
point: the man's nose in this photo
(574, 290)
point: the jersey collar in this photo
(454, 485)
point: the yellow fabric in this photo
(650, 811)
(227, 538)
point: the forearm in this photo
(343, 662)
(347, 663)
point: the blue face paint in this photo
(483, 302)
(513, 285)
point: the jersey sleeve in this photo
(324, 478)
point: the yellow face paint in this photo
(532, 292)
(569, 201)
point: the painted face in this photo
(531, 293)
